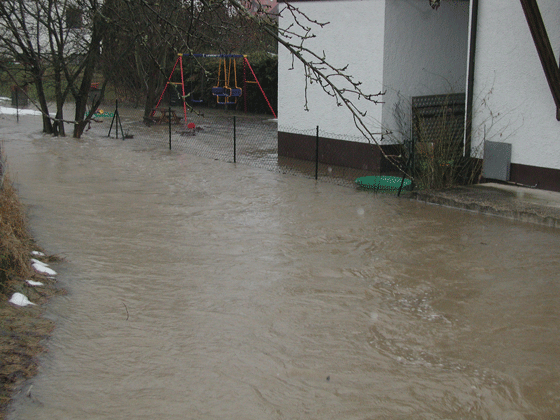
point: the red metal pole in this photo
(244, 86)
(165, 88)
(260, 87)
(183, 89)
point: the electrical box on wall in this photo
(497, 160)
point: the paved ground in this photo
(513, 202)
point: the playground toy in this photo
(384, 183)
(225, 94)
(99, 113)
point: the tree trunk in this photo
(87, 76)
(80, 123)
(155, 83)
(47, 122)
(58, 126)
(151, 98)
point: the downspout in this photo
(470, 77)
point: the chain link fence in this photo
(224, 135)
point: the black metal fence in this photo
(3, 167)
(230, 137)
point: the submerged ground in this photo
(204, 289)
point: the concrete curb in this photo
(494, 201)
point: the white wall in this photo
(513, 103)
(353, 37)
(425, 54)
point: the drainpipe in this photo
(470, 77)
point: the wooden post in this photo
(544, 49)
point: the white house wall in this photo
(354, 37)
(512, 100)
(425, 54)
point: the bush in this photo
(438, 146)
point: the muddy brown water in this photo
(207, 290)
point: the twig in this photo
(126, 309)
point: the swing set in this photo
(224, 92)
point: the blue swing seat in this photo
(227, 100)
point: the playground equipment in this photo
(225, 94)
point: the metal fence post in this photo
(17, 105)
(169, 118)
(317, 154)
(234, 140)
(117, 115)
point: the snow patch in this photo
(12, 111)
(42, 267)
(20, 300)
(34, 283)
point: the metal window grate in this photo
(438, 115)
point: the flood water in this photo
(207, 290)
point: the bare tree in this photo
(20, 41)
(54, 54)
(80, 74)
(156, 41)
